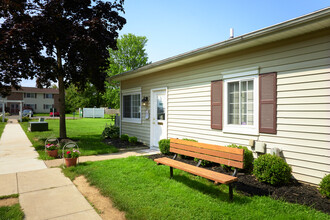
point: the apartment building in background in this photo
(39, 100)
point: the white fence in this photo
(93, 112)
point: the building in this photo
(39, 100)
(271, 87)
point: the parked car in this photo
(56, 114)
(27, 112)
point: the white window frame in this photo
(134, 91)
(241, 75)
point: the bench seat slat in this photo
(208, 146)
(216, 153)
(209, 158)
(208, 174)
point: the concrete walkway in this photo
(43, 193)
(16, 153)
(58, 162)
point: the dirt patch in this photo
(100, 202)
(119, 144)
(8, 201)
(247, 184)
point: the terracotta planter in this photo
(52, 153)
(70, 162)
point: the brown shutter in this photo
(267, 103)
(216, 104)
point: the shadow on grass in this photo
(213, 191)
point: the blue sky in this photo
(177, 26)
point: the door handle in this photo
(160, 123)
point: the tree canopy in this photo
(131, 54)
(64, 41)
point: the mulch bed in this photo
(119, 144)
(294, 192)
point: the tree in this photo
(75, 98)
(131, 54)
(57, 41)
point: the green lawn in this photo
(144, 191)
(2, 126)
(87, 132)
(47, 115)
(13, 212)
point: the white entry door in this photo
(158, 117)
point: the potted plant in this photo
(52, 150)
(71, 156)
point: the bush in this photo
(6, 119)
(325, 186)
(124, 137)
(248, 159)
(132, 140)
(187, 139)
(272, 169)
(164, 146)
(25, 119)
(110, 132)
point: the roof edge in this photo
(314, 16)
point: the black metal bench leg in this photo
(171, 172)
(230, 192)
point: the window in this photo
(31, 106)
(48, 96)
(245, 102)
(240, 104)
(131, 101)
(48, 106)
(30, 95)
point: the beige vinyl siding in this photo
(303, 116)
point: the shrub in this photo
(124, 137)
(325, 186)
(110, 132)
(187, 139)
(164, 146)
(272, 169)
(132, 140)
(25, 119)
(248, 159)
(6, 119)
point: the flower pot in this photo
(70, 162)
(52, 153)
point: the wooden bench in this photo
(223, 155)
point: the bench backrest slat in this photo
(218, 154)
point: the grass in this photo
(106, 116)
(47, 115)
(87, 132)
(144, 191)
(13, 212)
(2, 126)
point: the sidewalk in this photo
(16, 153)
(58, 162)
(43, 193)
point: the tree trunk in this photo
(61, 95)
(62, 107)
